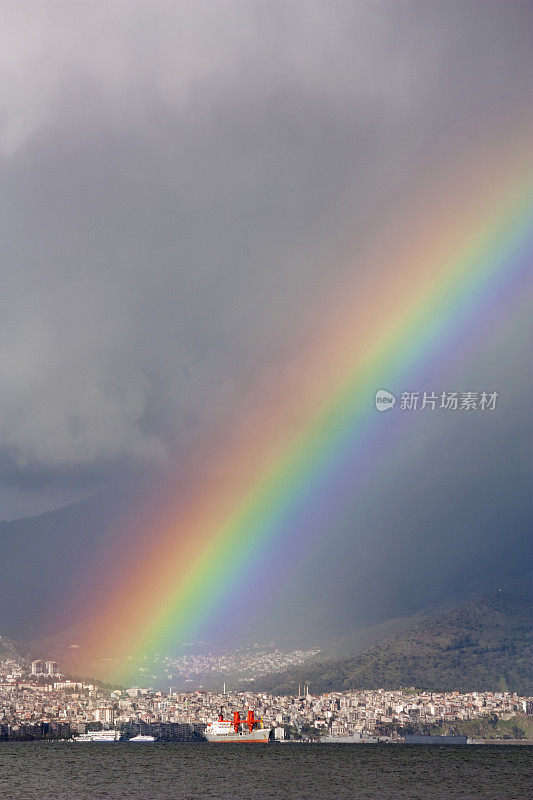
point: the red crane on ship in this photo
(237, 721)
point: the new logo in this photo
(384, 400)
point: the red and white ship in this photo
(238, 730)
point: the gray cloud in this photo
(178, 179)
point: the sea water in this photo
(158, 771)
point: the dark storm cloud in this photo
(174, 179)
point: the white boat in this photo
(98, 736)
(142, 738)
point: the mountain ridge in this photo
(485, 644)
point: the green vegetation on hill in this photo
(487, 727)
(360, 640)
(484, 645)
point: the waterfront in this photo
(62, 771)
(38, 706)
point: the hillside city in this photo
(245, 663)
(37, 702)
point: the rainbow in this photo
(457, 262)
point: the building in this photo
(51, 668)
(105, 715)
(37, 667)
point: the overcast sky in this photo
(178, 180)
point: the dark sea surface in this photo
(64, 771)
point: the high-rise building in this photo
(105, 715)
(51, 668)
(37, 667)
